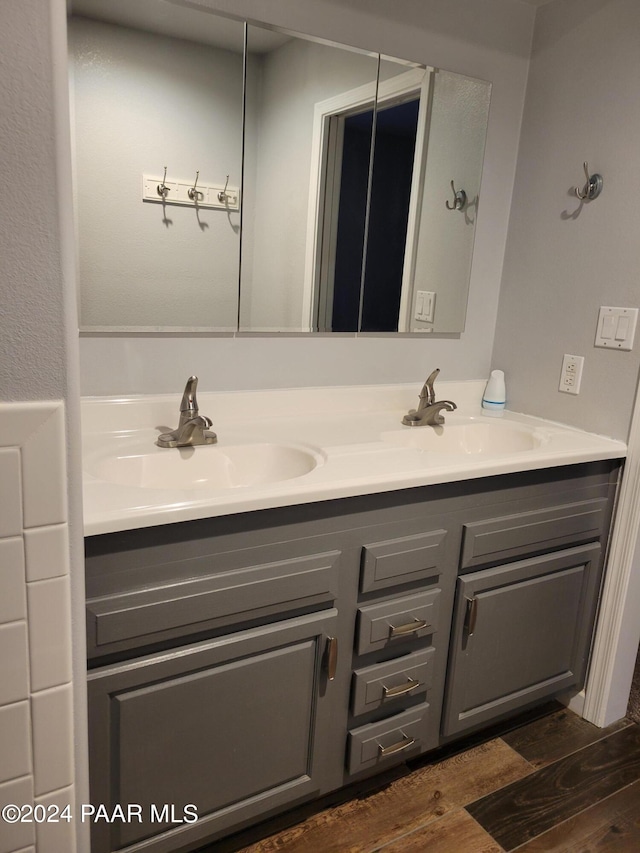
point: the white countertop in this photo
(353, 435)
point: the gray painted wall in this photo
(564, 260)
(33, 348)
(38, 321)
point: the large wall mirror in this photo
(336, 191)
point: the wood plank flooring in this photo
(546, 782)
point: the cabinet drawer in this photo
(381, 684)
(528, 533)
(395, 620)
(143, 616)
(396, 737)
(398, 561)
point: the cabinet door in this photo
(226, 728)
(521, 633)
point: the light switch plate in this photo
(425, 306)
(616, 327)
(429, 306)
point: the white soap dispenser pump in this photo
(495, 395)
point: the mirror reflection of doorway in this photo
(367, 297)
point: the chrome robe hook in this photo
(193, 193)
(163, 189)
(222, 195)
(593, 186)
(459, 199)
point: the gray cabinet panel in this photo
(217, 599)
(377, 744)
(521, 633)
(228, 726)
(397, 619)
(524, 533)
(398, 561)
(383, 684)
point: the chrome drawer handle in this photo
(470, 616)
(405, 743)
(410, 628)
(331, 657)
(401, 689)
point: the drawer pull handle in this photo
(409, 628)
(331, 657)
(405, 743)
(401, 689)
(470, 616)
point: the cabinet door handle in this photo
(401, 689)
(405, 743)
(470, 616)
(409, 628)
(331, 657)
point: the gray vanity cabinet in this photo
(227, 730)
(243, 664)
(520, 634)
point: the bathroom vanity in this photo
(271, 648)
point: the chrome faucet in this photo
(429, 410)
(192, 428)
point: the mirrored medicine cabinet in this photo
(233, 177)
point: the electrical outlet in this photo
(571, 375)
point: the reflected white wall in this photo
(143, 101)
(458, 127)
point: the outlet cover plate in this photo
(571, 375)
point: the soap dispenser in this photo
(495, 396)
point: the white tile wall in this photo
(15, 836)
(11, 516)
(36, 710)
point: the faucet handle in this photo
(189, 402)
(427, 389)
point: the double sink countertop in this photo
(284, 447)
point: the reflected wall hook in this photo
(222, 195)
(593, 186)
(193, 193)
(459, 199)
(163, 189)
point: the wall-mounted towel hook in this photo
(163, 189)
(593, 186)
(222, 195)
(194, 194)
(459, 199)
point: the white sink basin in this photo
(206, 467)
(475, 438)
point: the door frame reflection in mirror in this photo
(278, 238)
(326, 162)
(318, 276)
